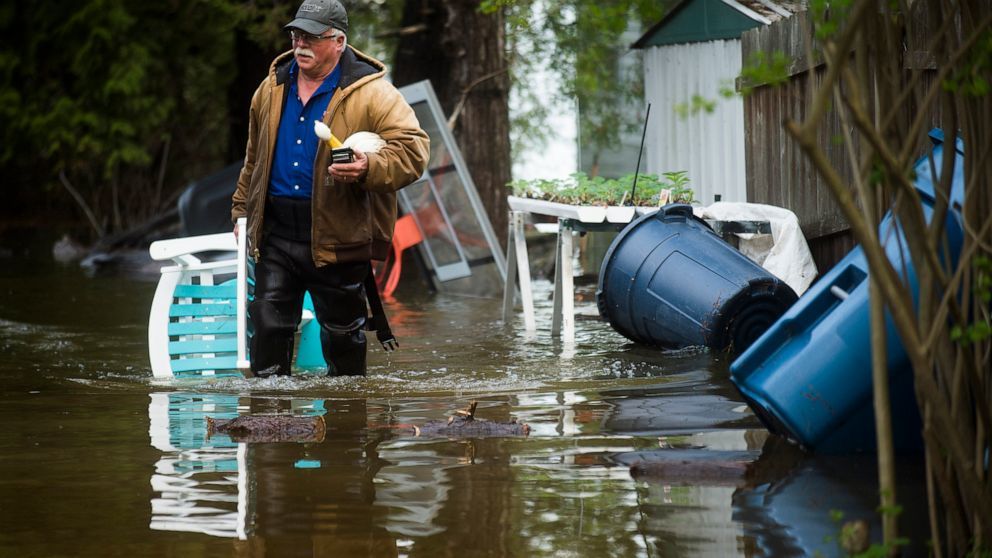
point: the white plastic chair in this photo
(199, 327)
(196, 326)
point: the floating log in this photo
(471, 428)
(463, 424)
(269, 428)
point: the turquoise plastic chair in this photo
(198, 320)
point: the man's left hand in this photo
(352, 172)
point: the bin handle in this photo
(839, 292)
(678, 210)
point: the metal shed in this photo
(695, 50)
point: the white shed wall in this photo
(710, 146)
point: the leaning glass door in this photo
(421, 201)
(459, 243)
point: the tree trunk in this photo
(462, 52)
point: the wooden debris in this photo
(467, 412)
(475, 428)
(463, 424)
(269, 428)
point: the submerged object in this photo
(809, 377)
(693, 472)
(700, 466)
(269, 428)
(668, 280)
(463, 424)
(471, 428)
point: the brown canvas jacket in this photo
(351, 222)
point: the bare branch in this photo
(911, 214)
(82, 203)
(402, 31)
(465, 92)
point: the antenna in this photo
(637, 169)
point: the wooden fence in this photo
(778, 173)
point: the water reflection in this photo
(91, 439)
(791, 508)
(370, 488)
(694, 515)
(203, 484)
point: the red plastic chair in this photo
(406, 234)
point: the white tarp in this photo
(784, 253)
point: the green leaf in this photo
(957, 333)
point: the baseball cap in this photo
(317, 16)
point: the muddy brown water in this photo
(97, 458)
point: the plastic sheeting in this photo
(784, 253)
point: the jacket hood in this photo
(356, 66)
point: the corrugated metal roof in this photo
(772, 11)
(692, 21)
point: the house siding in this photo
(709, 146)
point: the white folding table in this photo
(571, 218)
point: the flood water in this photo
(98, 459)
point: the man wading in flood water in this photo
(312, 225)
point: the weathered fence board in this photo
(778, 173)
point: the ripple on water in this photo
(378, 383)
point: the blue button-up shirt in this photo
(296, 144)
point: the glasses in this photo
(303, 37)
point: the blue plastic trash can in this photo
(809, 376)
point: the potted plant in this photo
(594, 199)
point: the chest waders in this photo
(283, 275)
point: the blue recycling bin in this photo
(310, 353)
(809, 376)
(669, 281)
